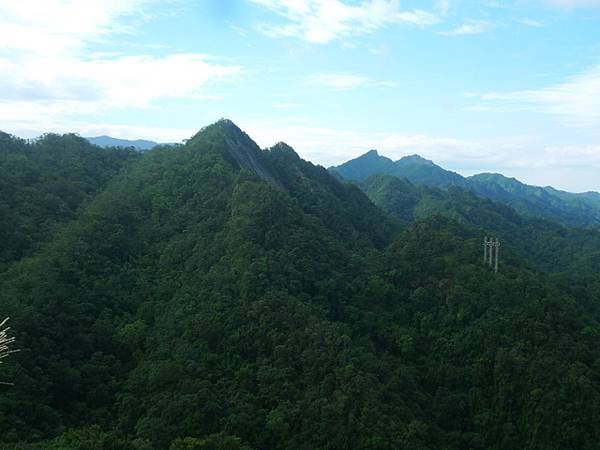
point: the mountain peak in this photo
(221, 126)
(496, 179)
(360, 168)
(227, 123)
(415, 159)
(226, 138)
(282, 147)
(220, 130)
(415, 168)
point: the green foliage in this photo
(214, 442)
(44, 183)
(542, 202)
(564, 207)
(217, 296)
(545, 245)
(91, 438)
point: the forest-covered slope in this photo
(219, 296)
(42, 185)
(568, 208)
(545, 245)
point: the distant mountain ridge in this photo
(415, 168)
(109, 141)
(528, 235)
(574, 209)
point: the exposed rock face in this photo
(249, 159)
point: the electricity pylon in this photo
(490, 257)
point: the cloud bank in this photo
(47, 71)
(576, 100)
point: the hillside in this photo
(220, 296)
(565, 207)
(43, 184)
(546, 202)
(545, 245)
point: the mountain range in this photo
(108, 141)
(216, 295)
(575, 209)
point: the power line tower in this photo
(491, 248)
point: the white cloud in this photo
(576, 100)
(59, 26)
(532, 23)
(322, 21)
(346, 81)
(48, 74)
(443, 6)
(97, 84)
(572, 155)
(330, 146)
(477, 27)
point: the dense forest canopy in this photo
(44, 183)
(219, 296)
(545, 245)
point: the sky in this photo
(476, 86)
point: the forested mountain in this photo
(108, 141)
(564, 207)
(545, 245)
(414, 168)
(43, 184)
(219, 296)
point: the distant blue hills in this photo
(108, 141)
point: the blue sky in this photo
(501, 86)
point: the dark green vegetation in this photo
(532, 201)
(543, 244)
(216, 296)
(42, 186)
